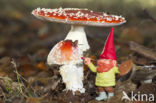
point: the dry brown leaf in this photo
(33, 100)
(27, 70)
(139, 102)
(41, 66)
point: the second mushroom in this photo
(68, 52)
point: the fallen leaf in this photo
(41, 66)
(32, 100)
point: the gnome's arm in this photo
(116, 70)
(92, 67)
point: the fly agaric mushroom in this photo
(78, 18)
(65, 53)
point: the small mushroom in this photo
(67, 54)
(144, 75)
(78, 18)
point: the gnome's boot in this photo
(110, 95)
(102, 96)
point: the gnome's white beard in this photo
(72, 76)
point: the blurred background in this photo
(25, 41)
(22, 33)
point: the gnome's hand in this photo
(87, 61)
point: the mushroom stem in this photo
(77, 33)
(72, 76)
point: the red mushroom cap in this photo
(78, 16)
(65, 52)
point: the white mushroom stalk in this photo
(77, 33)
(73, 76)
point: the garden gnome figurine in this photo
(106, 69)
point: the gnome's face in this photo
(105, 65)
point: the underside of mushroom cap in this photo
(65, 52)
(78, 17)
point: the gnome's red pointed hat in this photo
(109, 49)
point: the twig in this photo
(5, 78)
(4, 89)
(149, 15)
(55, 84)
(86, 76)
(18, 79)
(143, 50)
(21, 76)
